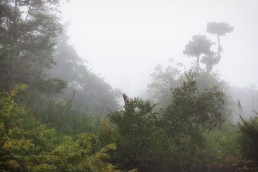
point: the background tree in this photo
(163, 81)
(194, 111)
(210, 60)
(219, 29)
(169, 139)
(90, 90)
(27, 32)
(196, 47)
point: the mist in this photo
(139, 85)
(123, 41)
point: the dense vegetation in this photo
(56, 115)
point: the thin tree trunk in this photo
(15, 21)
(27, 14)
(219, 47)
(197, 64)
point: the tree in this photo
(139, 140)
(192, 112)
(27, 29)
(167, 140)
(163, 81)
(90, 90)
(219, 29)
(210, 60)
(198, 46)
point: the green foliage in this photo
(139, 140)
(221, 151)
(83, 154)
(169, 140)
(184, 136)
(248, 130)
(27, 145)
(197, 110)
(27, 29)
(66, 117)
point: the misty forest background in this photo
(57, 115)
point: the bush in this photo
(248, 139)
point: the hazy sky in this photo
(123, 40)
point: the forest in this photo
(58, 115)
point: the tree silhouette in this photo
(219, 29)
(199, 45)
(210, 60)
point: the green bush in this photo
(28, 145)
(248, 130)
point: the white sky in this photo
(123, 40)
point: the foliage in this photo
(199, 45)
(27, 29)
(248, 139)
(83, 154)
(89, 89)
(163, 81)
(191, 114)
(139, 140)
(20, 134)
(190, 133)
(219, 28)
(194, 111)
(210, 60)
(169, 140)
(27, 145)
(66, 117)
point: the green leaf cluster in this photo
(171, 138)
(27, 145)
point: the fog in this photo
(123, 40)
(102, 93)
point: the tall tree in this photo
(163, 81)
(27, 29)
(219, 29)
(199, 45)
(90, 90)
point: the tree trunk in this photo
(197, 64)
(219, 47)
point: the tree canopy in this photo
(219, 28)
(199, 45)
